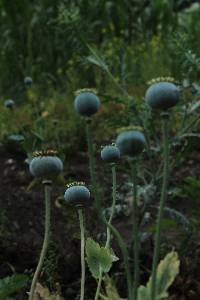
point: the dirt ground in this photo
(21, 232)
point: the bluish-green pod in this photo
(131, 142)
(77, 195)
(86, 104)
(110, 154)
(46, 166)
(9, 103)
(162, 95)
(28, 81)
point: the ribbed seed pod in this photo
(162, 95)
(9, 103)
(45, 165)
(86, 103)
(110, 154)
(77, 195)
(28, 81)
(130, 143)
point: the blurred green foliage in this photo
(11, 285)
(115, 46)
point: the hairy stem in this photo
(161, 208)
(47, 187)
(92, 166)
(80, 213)
(114, 190)
(135, 230)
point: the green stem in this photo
(135, 230)
(99, 285)
(125, 255)
(92, 165)
(107, 245)
(161, 208)
(47, 187)
(80, 213)
(114, 190)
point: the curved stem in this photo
(47, 187)
(92, 165)
(161, 208)
(135, 230)
(114, 190)
(80, 213)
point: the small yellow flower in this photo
(45, 114)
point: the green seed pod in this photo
(130, 143)
(28, 81)
(162, 95)
(77, 195)
(110, 154)
(86, 103)
(45, 165)
(9, 103)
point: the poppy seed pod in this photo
(110, 153)
(45, 166)
(86, 103)
(131, 142)
(28, 81)
(162, 95)
(9, 103)
(77, 195)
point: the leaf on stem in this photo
(99, 258)
(167, 270)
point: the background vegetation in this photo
(115, 47)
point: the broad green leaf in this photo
(12, 284)
(93, 254)
(105, 260)
(167, 270)
(99, 258)
(144, 293)
(114, 257)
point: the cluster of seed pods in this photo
(160, 96)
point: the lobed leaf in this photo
(167, 270)
(99, 258)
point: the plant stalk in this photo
(92, 166)
(125, 255)
(47, 187)
(162, 205)
(107, 245)
(135, 230)
(114, 192)
(99, 285)
(81, 220)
